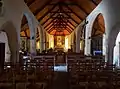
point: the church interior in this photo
(59, 44)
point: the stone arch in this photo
(97, 34)
(32, 28)
(4, 39)
(111, 41)
(11, 32)
(25, 35)
(42, 38)
(73, 41)
(79, 30)
(88, 32)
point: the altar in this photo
(59, 42)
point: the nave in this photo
(79, 72)
(69, 44)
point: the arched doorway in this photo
(4, 39)
(25, 36)
(97, 33)
(11, 39)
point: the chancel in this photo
(59, 44)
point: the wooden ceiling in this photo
(98, 26)
(60, 17)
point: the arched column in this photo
(33, 29)
(110, 43)
(42, 38)
(110, 49)
(4, 39)
(88, 32)
(78, 29)
(104, 44)
(11, 32)
(73, 41)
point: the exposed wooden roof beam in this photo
(81, 8)
(94, 36)
(73, 11)
(93, 1)
(25, 26)
(61, 12)
(70, 27)
(48, 18)
(68, 30)
(38, 10)
(71, 18)
(71, 24)
(50, 30)
(94, 30)
(47, 12)
(49, 24)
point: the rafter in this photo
(61, 12)
(71, 18)
(81, 8)
(94, 31)
(38, 10)
(68, 30)
(48, 18)
(26, 25)
(70, 27)
(66, 5)
(50, 22)
(49, 28)
(47, 12)
(96, 35)
(71, 24)
(48, 25)
(94, 2)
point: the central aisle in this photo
(61, 81)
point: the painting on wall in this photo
(59, 41)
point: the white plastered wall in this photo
(13, 13)
(111, 14)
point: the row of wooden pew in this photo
(38, 72)
(92, 73)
